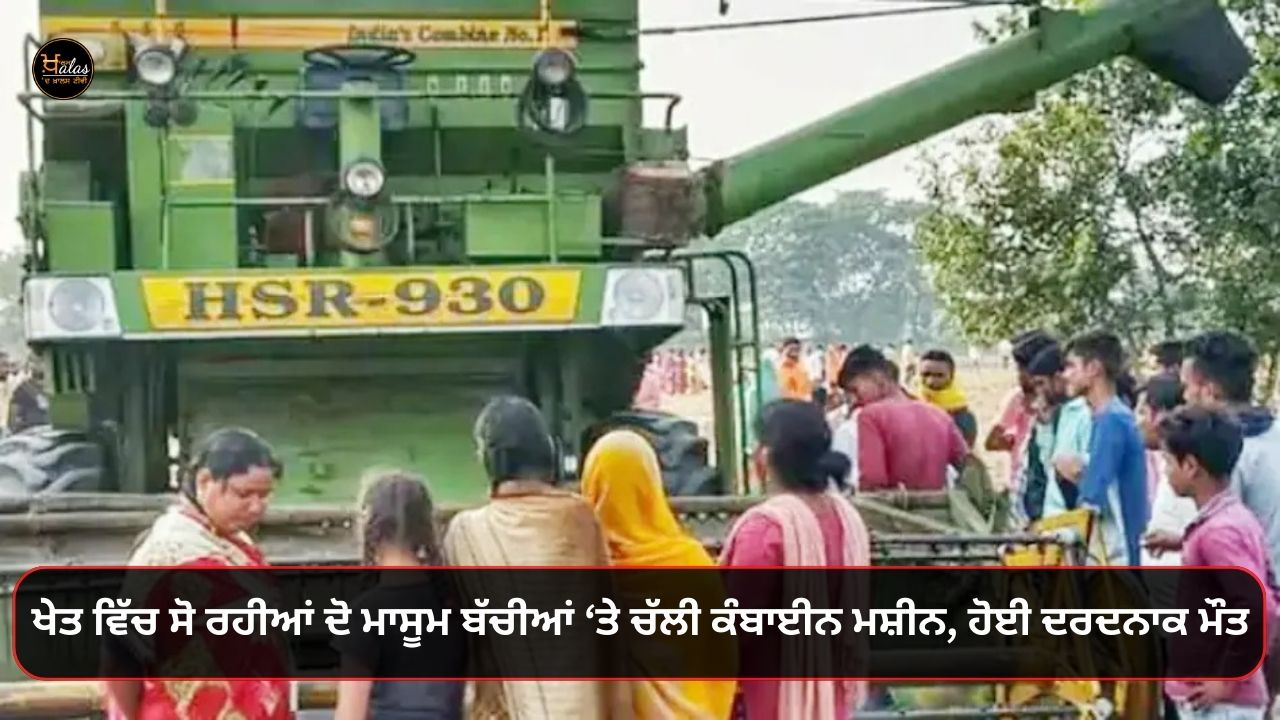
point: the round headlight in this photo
(364, 178)
(638, 296)
(77, 306)
(554, 67)
(156, 66)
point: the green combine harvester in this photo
(346, 226)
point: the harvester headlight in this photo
(69, 308)
(364, 178)
(156, 65)
(156, 62)
(644, 296)
(554, 67)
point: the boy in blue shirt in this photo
(1112, 478)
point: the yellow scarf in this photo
(949, 398)
(623, 481)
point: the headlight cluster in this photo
(643, 296)
(156, 65)
(554, 67)
(70, 308)
(553, 102)
(156, 62)
(364, 178)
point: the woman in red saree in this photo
(805, 522)
(224, 493)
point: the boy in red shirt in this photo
(901, 441)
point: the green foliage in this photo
(1118, 201)
(839, 271)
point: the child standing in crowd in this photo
(1169, 512)
(1201, 447)
(396, 529)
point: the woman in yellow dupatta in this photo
(623, 481)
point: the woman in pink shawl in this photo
(806, 522)
(649, 394)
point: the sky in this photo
(740, 87)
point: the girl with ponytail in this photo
(396, 529)
(805, 522)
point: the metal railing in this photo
(404, 204)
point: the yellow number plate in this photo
(332, 300)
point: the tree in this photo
(1117, 201)
(839, 271)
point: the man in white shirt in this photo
(844, 440)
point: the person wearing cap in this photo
(529, 521)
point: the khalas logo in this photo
(62, 68)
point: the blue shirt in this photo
(1074, 431)
(1115, 481)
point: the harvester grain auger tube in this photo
(1187, 42)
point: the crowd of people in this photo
(672, 372)
(1179, 468)
(618, 515)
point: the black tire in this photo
(610, 383)
(681, 452)
(44, 460)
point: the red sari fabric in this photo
(189, 541)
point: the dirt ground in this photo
(985, 385)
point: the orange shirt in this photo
(793, 380)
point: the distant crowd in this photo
(1179, 466)
(1173, 454)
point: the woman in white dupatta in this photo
(806, 522)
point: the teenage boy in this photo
(1112, 480)
(1201, 447)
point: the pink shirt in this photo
(1017, 421)
(649, 394)
(1226, 533)
(906, 442)
(759, 542)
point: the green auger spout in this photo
(1187, 42)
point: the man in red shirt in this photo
(901, 441)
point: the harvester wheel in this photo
(609, 385)
(681, 452)
(44, 460)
